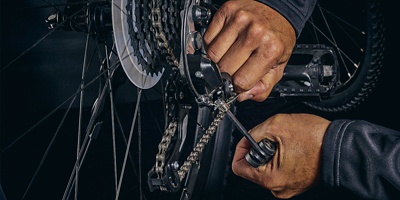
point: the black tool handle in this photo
(257, 158)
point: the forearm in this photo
(296, 12)
(363, 158)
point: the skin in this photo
(251, 42)
(295, 166)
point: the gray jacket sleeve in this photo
(363, 158)
(296, 12)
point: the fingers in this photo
(247, 40)
(263, 88)
(220, 45)
(249, 64)
(239, 163)
(217, 24)
(238, 54)
(220, 34)
(240, 166)
(226, 38)
(295, 166)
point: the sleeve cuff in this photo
(331, 152)
(296, 12)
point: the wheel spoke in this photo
(129, 143)
(87, 131)
(48, 148)
(37, 43)
(58, 5)
(336, 19)
(84, 66)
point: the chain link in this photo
(222, 107)
(197, 150)
(162, 41)
(163, 146)
(194, 155)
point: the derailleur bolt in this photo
(198, 74)
(201, 15)
(175, 165)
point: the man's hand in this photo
(253, 43)
(295, 165)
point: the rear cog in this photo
(146, 42)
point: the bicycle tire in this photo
(356, 33)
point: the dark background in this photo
(53, 73)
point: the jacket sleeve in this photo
(363, 158)
(296, 12)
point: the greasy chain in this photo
(163, 146)
(162, 42)
(197, 150)
(194, 155)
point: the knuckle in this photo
(253, 35)
(224, 68)
(235, 169)
(213, 54)
(270, 54)
(225, 11)
(241, 18)
(266, 38)
(257, 30)
(274, 47)
(263, 93)
(228, 5)
(221, 15)
(241, 83)
(207, 38)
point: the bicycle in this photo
(199, 183)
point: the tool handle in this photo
(257, 158)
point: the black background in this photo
(29, 92)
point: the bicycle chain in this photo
(163, 146)
(163, 34)
(197, 150)
(194, 155)
(161, 38)
(150, 34)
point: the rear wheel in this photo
(355, 31)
